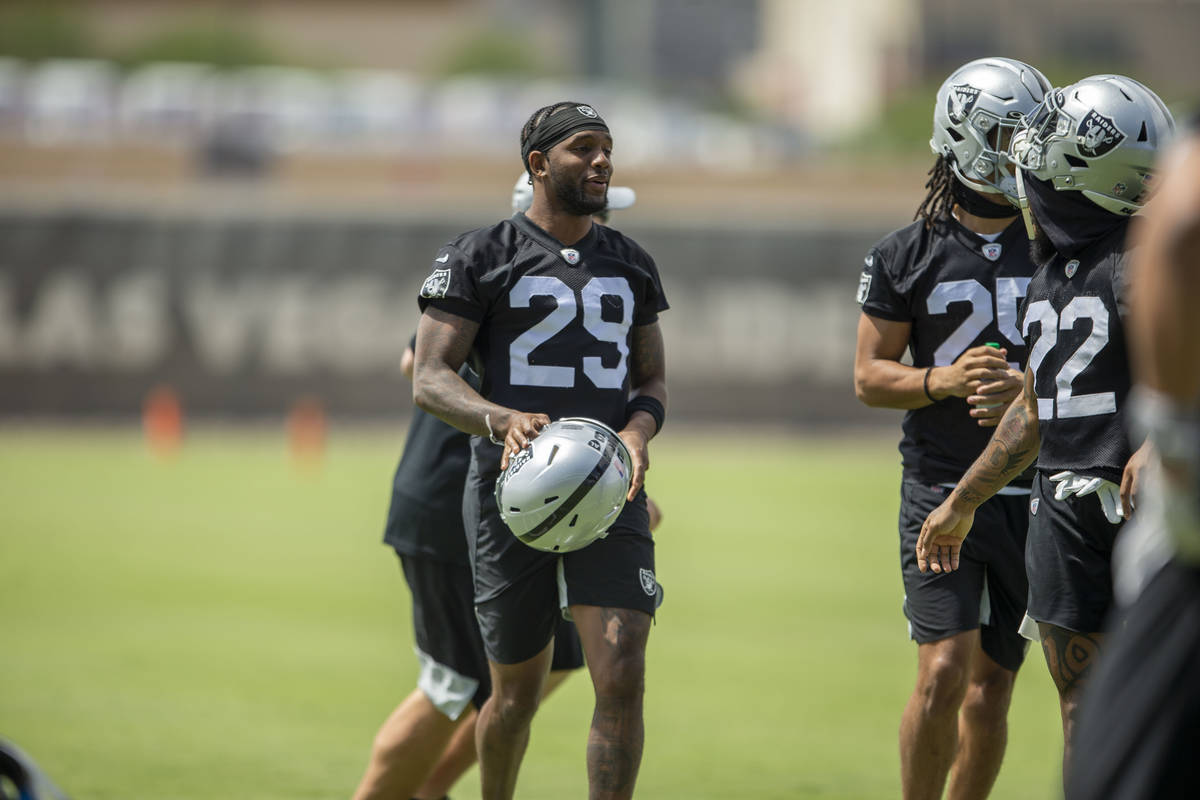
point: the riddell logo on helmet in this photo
(1098, 135)
(960, 102)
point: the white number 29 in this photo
(522, 373)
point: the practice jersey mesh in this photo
(556, 322)
(1073, 321)
(958, 291)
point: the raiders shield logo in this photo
(864, 286)
(1097, 135)
(649, 584)
(1071, 268)
(587, 111)
(1033, 506)
(435, 285)
(992, 251)
(960, 102)
(572, 256)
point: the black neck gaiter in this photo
(1070, 220)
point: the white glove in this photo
(1070, 483)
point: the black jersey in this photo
(1073, 319)
(958, 291)
(555, 321)
(425, 517)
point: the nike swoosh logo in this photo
(443, 259)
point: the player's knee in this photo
(514, 710)
(942, 686)
(988, 697)
(622, 678)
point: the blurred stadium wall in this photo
(240, 200)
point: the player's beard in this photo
(572, 197)
(1041, 249)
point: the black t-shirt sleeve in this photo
(655, 300)
(453, 285)
(877, 293)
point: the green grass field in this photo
(226, 624)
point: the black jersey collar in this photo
(973, 241)
(526, 226)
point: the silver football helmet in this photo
(564, 491)
(1098, 136)
(976, 111)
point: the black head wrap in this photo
(1070, 220)
(558, 126)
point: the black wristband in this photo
(925, 385)
(651, 406)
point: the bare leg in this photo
(614, 641)
(982, 729)
(929, 726)
(456, 759)
(502, 732)
(1070, 656)
(410, 740)
(460, 756)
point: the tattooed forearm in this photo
(647, 362)
(1012, 448)
(443, 343)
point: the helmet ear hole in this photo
(955, 135)
(1075, 161)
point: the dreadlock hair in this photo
(536, 119)
(935, 208)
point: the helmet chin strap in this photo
(976, 204)
(1023, 202)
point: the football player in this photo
(561, 316)
(428, 742)
(1140, 719)
(946, 288)
(1085, 159)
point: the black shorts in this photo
(988, 589)
(454, 667)
(520, 592)
(1139, 721)
(1068, 557)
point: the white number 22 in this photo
(1069, 404)
(522, 373)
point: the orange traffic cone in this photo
(306, 432)
(162, 421)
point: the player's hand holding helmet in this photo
(1098, 136)
(976, 111)
(566, 488)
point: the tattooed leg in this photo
(1069, 657)
(614, 641)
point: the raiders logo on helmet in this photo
(587, 111)
(960, 102)
(1098, 135)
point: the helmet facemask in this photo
(976, 112)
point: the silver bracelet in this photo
(487, 420)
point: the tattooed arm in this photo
(443, 342)
(1012, 448)
(648, 378)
